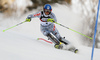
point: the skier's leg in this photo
(47, 33)
(57, 43)
(53, 39)
(67, 45)
(57, 35)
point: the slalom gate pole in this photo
(95, 30)
(45, 40)
(14, 26)
(73, 30)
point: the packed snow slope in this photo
(20, 43)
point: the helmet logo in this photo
(48, 7)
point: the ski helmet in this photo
(47, 8)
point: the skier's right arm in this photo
(28, 19)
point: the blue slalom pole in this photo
(95, 31)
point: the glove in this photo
(28, 19)
(50, 20)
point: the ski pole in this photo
(14, 26)
(73, 30)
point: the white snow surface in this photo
(20, 43)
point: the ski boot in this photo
(58, 46)
(76, 51)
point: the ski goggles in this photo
(46, 10)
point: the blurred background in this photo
(14, 11)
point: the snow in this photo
(20, 43)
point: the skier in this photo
(47, 17)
